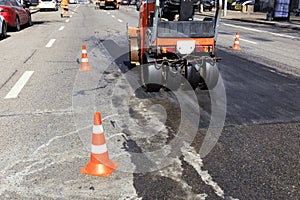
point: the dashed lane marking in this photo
(16, 89)
(248, 41)
(67, 20)
(50, 43)
(61, 28)
(119, 20)
(113, 16)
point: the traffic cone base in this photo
(236, 47)
(85, 66)
(98, 169)
(99, 164)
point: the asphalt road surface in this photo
(244, 145)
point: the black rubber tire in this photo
(211, 75)
(193, 76)
(174, 78)
(4, 31)
(152, 88)
(146, 77)
(17, 24)
(29, 23)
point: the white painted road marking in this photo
(67, 20)
(248, 41)
(50, 43)
(194, 159)
(261, 31)
(246, 28)
(76, 7)
(112, 16)
(120, 20)
(16, 89)
(61, 28)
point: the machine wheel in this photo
(210, 75)
(133, 50)
(174, 78)
(193, 76)
(151, 77)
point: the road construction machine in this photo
(172, 48)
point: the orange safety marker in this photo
(99, 164)
(236, 45)
(126, 8)
(85, 66)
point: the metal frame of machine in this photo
(169, 45)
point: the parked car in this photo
(207, 5)
(133, 2)
(249, 2)
(48, 5)
(31, 3)
(124, 2)
(3, 28)
(15, 14)
(238, 5)
(83, 1)
(138, 4)
(73, 2)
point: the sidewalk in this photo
(257, 17)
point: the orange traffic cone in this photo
(126, 8)
(99, 164)
(236, 45)
(85, 66)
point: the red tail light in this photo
(168, 49)
(199, 49)
(204, 49)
